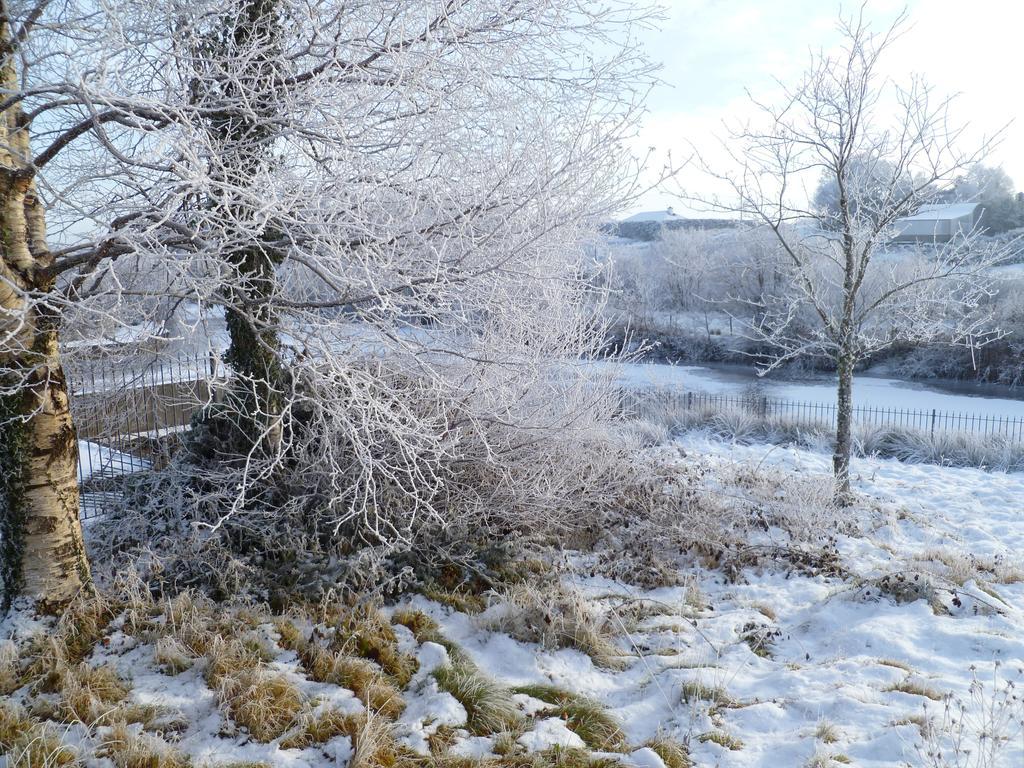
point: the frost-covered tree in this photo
(884, 151)
(1003, 209)
(870, 177)
(386, 201)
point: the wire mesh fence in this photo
(639, 401)
(130, 416)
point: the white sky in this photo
(712, 50)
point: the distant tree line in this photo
(649, 231)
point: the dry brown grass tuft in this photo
(239, 619)
(375, 747)
(697, 691)
(422, 626)
(82, 624)
(826, 732)
(959, 567)
(489, 705)
(189, 619)
(264, 702)
(44, 663)
(365, 632)
(229, 658)
(39, 746)
(139, 608)
(130, 748)
(10, 675)
(14, 721)
(460, 599)
(172, 657)
(921, 721)
(564, 757)
(896, 663)
(585, 717)
(360, 676)
(722, 739)
(90, 694)
(915, 687)
(289, 635)
(442, 740)
(673, 753)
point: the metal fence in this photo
(823, 415)
(130, 416)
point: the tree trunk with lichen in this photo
(43, 556)
(246, 138)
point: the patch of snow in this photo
(427, 709)
(645, 757)
(431, 656)
(474, 747)
(551, 732)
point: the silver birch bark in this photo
(43, 552)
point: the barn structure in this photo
(938, 223)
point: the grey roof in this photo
(666, 215)
(943, 211)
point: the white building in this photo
(938, 222)
(659, 217)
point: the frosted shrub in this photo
(380, 464)
(736, 424)
(727, 515)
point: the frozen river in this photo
(868, 391)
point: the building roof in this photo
(660, 216)
(943, 211)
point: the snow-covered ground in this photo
(840, 645)
(769, 665)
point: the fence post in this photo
(764, 406)
(933, 422)
(689, 401)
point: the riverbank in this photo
(869, 390)
(712, 339)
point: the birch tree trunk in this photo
(42, 548)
